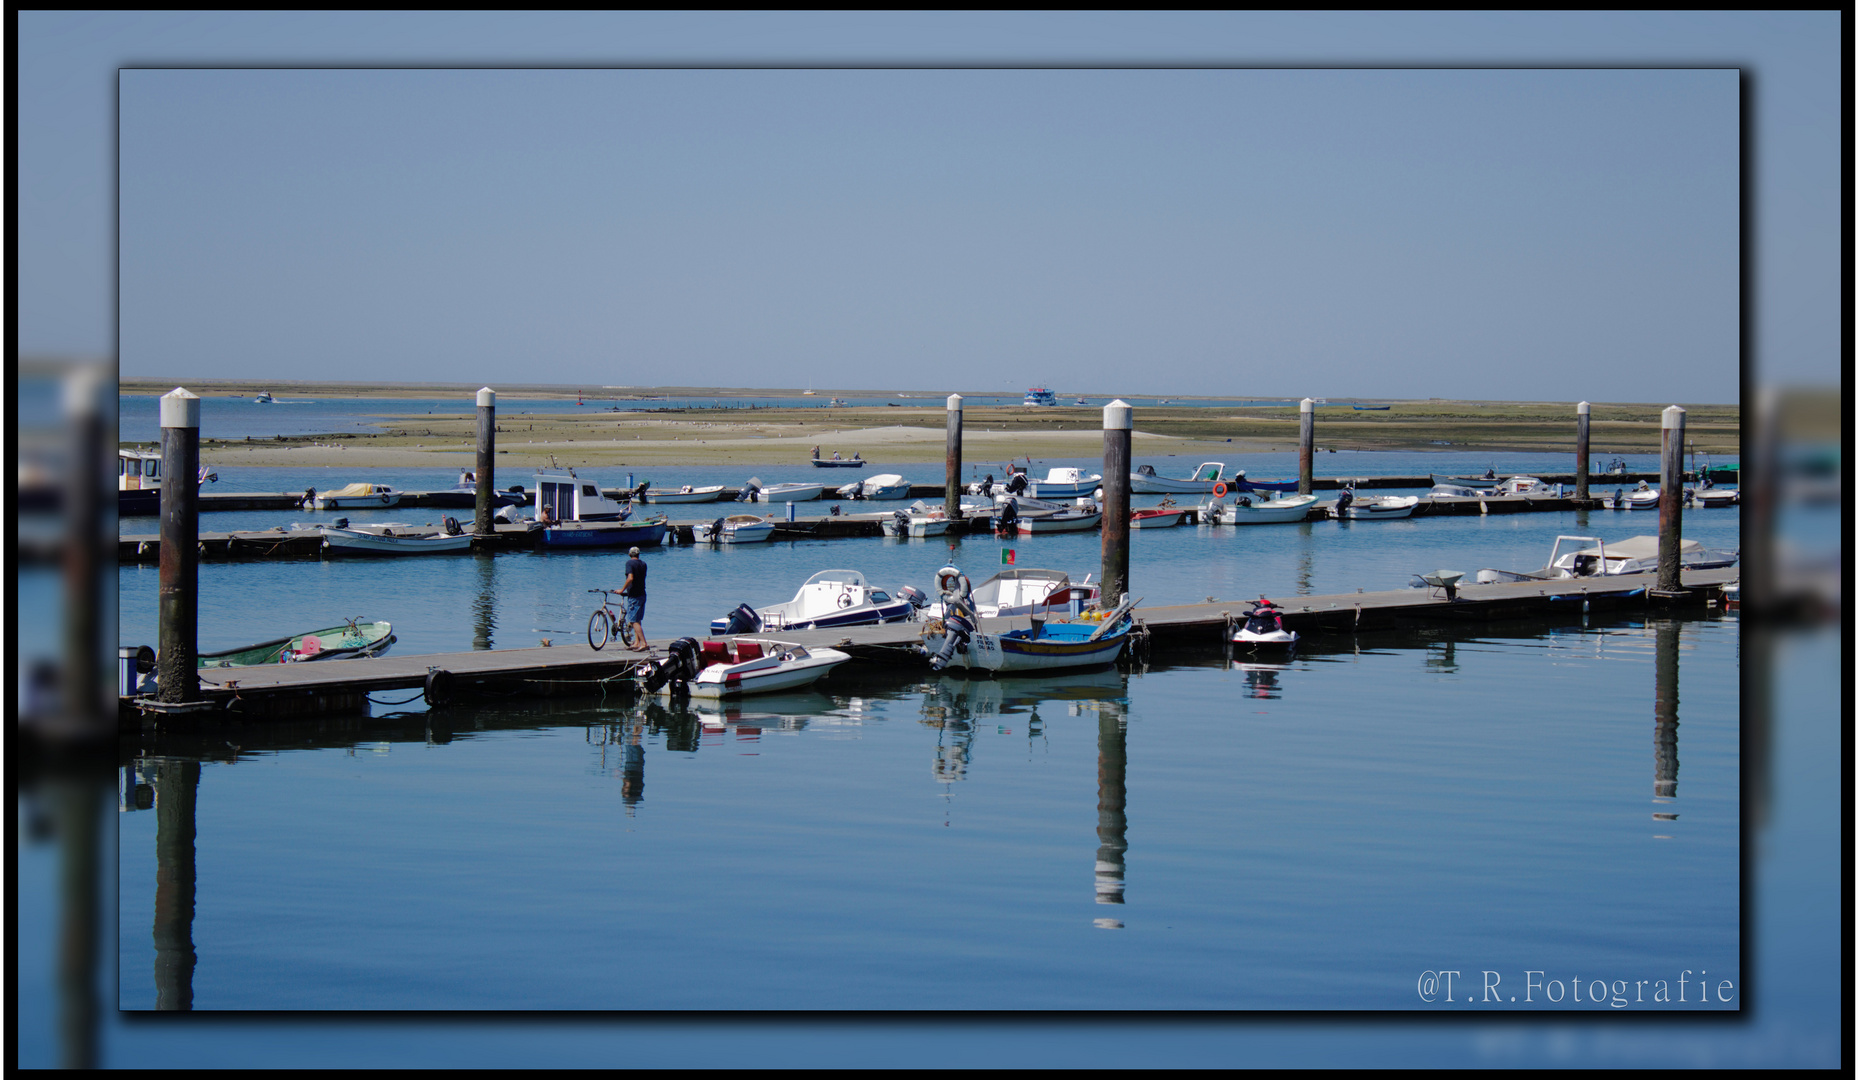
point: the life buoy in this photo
(384, 499)
(1220, 489)
(845, 599)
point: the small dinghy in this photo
(1264, 627)
(349, 641)
(917, 521)
(717, 669)
(1383, 508)
(684, 494)
(1162, 516)
(1644, 497)
(340, 541)
(1244, 511)
(754, 491)
(1146, 481)
(734, 529)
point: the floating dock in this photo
(573, 668)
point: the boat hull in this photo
(1017, 651)
(353, 542)
(788, 493)
(597, 535)
(698, 495)
(357, 502)
(767, 676)
(915, 527)
(822, 463)
(1152, 520)
(1381, 509)
(1275, 512)
(1064, 521)
(344, 642)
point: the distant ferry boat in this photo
(1039, 395)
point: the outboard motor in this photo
(956, 632)
(638, 493)
(309, 498)
(716, 531)
(903, 522)
(751, 492)
(679, 667)
(451, 527)
(1342, 501)
(1009, 518)
(341, 523)
(743, 620)
(914, 596)
(1016, 484)
(987, 485)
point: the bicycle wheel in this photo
(599, 628)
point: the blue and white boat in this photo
(598, 534)
(830, 598)
(1039, 395)
(1065, 483)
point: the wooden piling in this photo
(1581, 450)
(1671, 495)
(84, 715)
(179, 600)
(952, 453)
(485, 523)
(1116, 564)
(1306, 443)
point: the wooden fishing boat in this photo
(387, 542)
(350, 640)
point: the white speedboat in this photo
(1712, 497)
(734, 529)
(1457, 491)
(830, 598)
(1634, 555)
(756, 491)
(1264, 627)
(684, 494)
(1644, 497)
(358, 542)
(1522, 485)
(718, 669)
(264, 398)
(1382, 508)
(1145, 481)
(357, 497)
(881, 486)
(915, 522)
(1045, 593)
(1065, 483)
(1244, 511)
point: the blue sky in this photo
(1233, 232)
(1370, 233)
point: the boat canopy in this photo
(359, 489)
(1640, 547)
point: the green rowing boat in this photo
(352, 639)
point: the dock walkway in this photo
(340, 686)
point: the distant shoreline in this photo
(911, 431)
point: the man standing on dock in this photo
(632, 601)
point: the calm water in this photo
(1312, 834)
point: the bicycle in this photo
(605, 624)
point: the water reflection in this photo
(1112, 819)
(1261, 679)
(483, 605)
(1665, 716)
(177, 785)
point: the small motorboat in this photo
(1457, 491)
(341, 541)
(357, 497)
(1145, 481)
(1382, 508)
(1065, 483)
(916, 521)
(1243, 511)
(755, 491)
(1264, 627)
(1644, 497)
(1029, 591)
(955, 641)
(351, 640)
(1490, 480)
(881, 486)
(684, 494)
(1523, 485)
(465, 493)
(599, 534)
(838, 463)
(264, 398)
(1070, 519)
(1634, 555)
(1714, 497)
(1162, 516)
(734, 529)
(830, 598)
(717, 669)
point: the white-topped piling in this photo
(952, 465)
(485, 522)
(1671, 495)
(1306, 443)
(1115, 579)
(1581, 450)
(177, 648)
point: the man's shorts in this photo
(633, 608)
